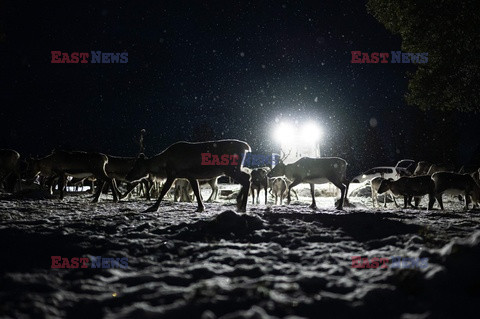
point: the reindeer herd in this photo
(183, 166)
(432, 180)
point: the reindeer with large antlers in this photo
(194, 161)
(314, 171)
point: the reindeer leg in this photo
(165, 189)
(343, 194)
(176, 194)
(410, 201)
(99, 191)
(196, 191)
(210, 198)
(417, 201)
(431, 201)
(245, 185)
(467, 199)
(50, 182)
(61, 184)
(296, 194)
(292, 185)
(214, 186)
(347, 185)
(266, 190)
(113, 185)
(215, 196)
(244, 179)
(148, 188)
(440, 200)
(395, 201)
(312, 192)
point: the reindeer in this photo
(375, 185)
(426, 168)
(76, 164)
(118, 167)
(440, 168)
(279, 188)
(9, 167)
(468, 169)
(80, 182)
(184, 191)
(270, 183)
(314, 171)
(410, 187)
(476, 176)
(151, 183)
(422, 168)
(191, 161)
(259, 180)
(456, 184)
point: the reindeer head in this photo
(278, 170)
(422, 168)
(384, 186)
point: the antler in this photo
(285, 155)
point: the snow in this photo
(272, 262)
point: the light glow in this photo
(310, 133)
(284, 134)
(298, 139)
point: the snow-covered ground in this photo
(273, 261)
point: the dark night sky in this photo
(235, 66)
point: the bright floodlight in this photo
(284, 134)
(311, 132)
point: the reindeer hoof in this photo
(339, 207)
(199, 209)
(313, 206)
(151, 209)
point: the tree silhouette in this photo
(448, 31)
